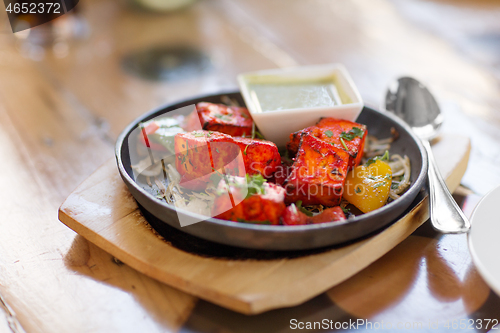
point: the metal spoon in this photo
(411, 101)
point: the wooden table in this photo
(62, 107)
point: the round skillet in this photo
(270, 237)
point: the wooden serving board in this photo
(103, 211)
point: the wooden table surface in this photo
(62, 107)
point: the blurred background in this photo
(115, 60)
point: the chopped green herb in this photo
(379, 184)
(245, 151)
(353, 133)
(197, 134)
(394, 186)
(260, 136)
(384, 157)
(217, 150)
(343, 144)
(302, 209)
(358, 190)
(226, 117)
(329, 133)
(255, 184)
(345, 210)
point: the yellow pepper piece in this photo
(367, 187)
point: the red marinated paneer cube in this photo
(343, 134)
(260, 156)
(318, 173)
(249, 199)
(200, 153)
(232, 120)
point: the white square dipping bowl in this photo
(277, 124)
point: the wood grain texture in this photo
(60, 114)
(102, 210)
(420, 270)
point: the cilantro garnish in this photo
(343, 144)
(329, 133)
(255, 184)
(380, 184)
(226, 117)
(353, 133)
(384, 158)
(260, 136)
(298, 204)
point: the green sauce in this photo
(285, 96)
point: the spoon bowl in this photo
(412, 101)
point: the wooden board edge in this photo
(232, 302)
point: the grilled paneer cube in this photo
(200, 153)
(232, 120)
(260, 156)
(249, 199)
(343, 134)
(318, 173)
